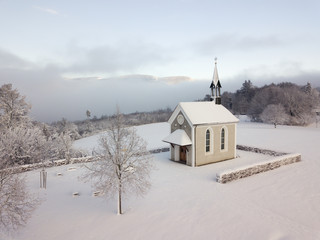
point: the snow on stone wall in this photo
(259, 150)
(246, 171)
(159, 150)
(47, 164)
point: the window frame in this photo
(209, 141)
(224, 139)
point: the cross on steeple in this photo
(215, 84)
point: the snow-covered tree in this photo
(16, 203)
(88, 122)
(65, 146)
(123, 164)
(13, 107)
(274, 114)
(264, 97)
(65, 127)
(21, 145)
(21, 142)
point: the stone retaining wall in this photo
(231, 175)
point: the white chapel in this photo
(203, 132)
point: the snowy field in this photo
(187, 203)
(151, 133)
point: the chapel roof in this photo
(204, 113)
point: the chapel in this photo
(203, 132)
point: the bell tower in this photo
(215, 85)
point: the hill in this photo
(186, 202)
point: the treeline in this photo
(283, 103)
(94, 125)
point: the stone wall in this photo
(48, 164)
(260, 150)
(159, 150)
(231, 175)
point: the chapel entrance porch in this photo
(181, 146)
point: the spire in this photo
(215, 84)
(215, 79)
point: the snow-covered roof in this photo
(178, 137)
(204, 113)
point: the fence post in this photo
(43, 179)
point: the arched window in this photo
(224, 139)
(207, 140)
(223, 134)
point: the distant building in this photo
(203, 132)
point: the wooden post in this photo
(43, 179)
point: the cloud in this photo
(175, 79)
(222, 43)
(135, 77)
(118, 58)
(47, 10)
(54, 96)
(9, 60)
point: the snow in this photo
(243, 118)
(257, 163)
(152, 134)
(257, 168)
(178, 137)
(204, 112)
(187, 203)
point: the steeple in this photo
(215, 84)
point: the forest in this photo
(283, 103)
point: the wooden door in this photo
(183, 154)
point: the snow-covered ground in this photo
(151, 133)
(187, 203)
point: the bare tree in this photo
(274, 114)
(88, 114)
(123, 164)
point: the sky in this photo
(67, 57)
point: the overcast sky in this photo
(70, 56)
